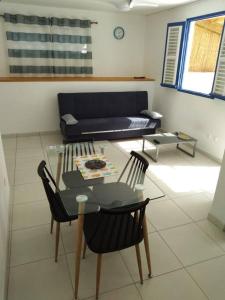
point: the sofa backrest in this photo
(103, 104)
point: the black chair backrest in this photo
(138, 166)
(56, 207)
(119, 228)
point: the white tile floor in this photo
(187, 251)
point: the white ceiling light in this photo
(142, 3)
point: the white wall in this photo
(4, 223)
(32, 106)
(198, 116)
(217, 211)
(111, 57)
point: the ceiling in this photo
(107, 5)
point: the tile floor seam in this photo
(35, 261)
(199, 262)
(29, 202)
(204, 293)
(196, 223)
(109, 291)
(152, 276)
(28, 182)
(173, 227)
(170, 248)
(10, 224)
(30, 227)
(67, 263)
(181, 208)
(218, 244)
(123, 260)
(205, 260)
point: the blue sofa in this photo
(105, 115)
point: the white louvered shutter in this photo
(172, 54)
(219, 82)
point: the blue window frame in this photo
(218, 80)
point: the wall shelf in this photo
(50, 79)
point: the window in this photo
(194, 59)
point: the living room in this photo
(128, 61)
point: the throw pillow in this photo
(151, 114)
(69, 119)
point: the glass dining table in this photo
(94, 175)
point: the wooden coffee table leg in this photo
(146, 243)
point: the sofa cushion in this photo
(69, 119)
(151, 114)
(102, 105)
(109, 124)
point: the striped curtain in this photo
(40, 46)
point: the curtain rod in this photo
(92, 22)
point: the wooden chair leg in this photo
(146, 243)
(98, 274)
(52, 222)
(84, 249)
(139, 262)
(57, 241)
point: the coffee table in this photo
(168, 138)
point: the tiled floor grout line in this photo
(190, 265)
(181, 208)
(12, 188)
(197, 224)
(189, 274)
(28, 202)
(16, 203)
(35, 261)
(67, 263)
(31, 227)
(109, 291)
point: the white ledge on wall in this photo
(61, 78)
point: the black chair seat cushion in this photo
(58, 211)
(98, 232)
(74, 179)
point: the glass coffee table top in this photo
(167, 138)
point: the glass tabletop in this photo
(84, 190)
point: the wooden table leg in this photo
(146, 243)
(78, 248)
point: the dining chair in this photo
(57, 209)
(115, 230)
(134, 170)
(132, 174)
